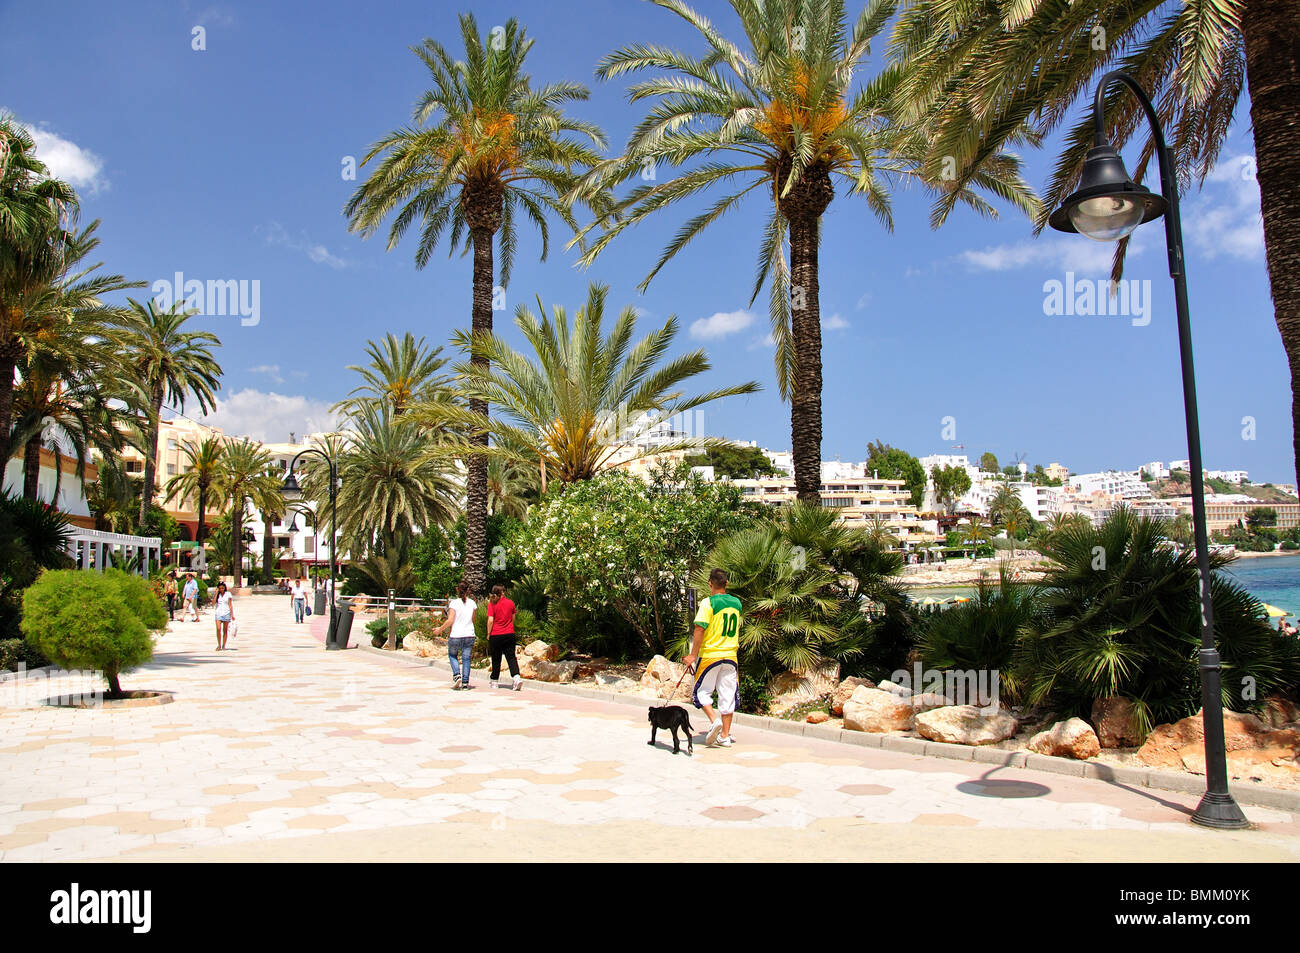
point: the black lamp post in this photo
(293, 527)
(292, 493)
(1107, 207)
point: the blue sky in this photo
(225, 163)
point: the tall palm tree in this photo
(975, 71)
(510, 486)
(201, 470)
(171, 364)
(268, 498)
(976, 534)
(243, 474)
(483, 148)
(400, 373)
(1007, 510)
(585, 396)
(778, 113)
(114, 496)
(34, 213)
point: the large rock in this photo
(924, 701)
(965, 725)
(617, 683)
(1073, 738)
(540, 650)
(895, 689)
(795, 688)
(877, 711)
(545, 671)
(1115, 725)
(1254, 749)
(662, 675)
(1279, 712)
(845, 690)
(589, 669)
(421, 646)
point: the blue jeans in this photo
(460, 649)
(299, 606)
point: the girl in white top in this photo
(225, 614)
(460, 645)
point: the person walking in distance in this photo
(225, 613)
(170, 591)
(501, 636)
(460, 645)
(191, 597)
(298, 594)
(716, 646)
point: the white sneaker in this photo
(493, 683)
(724, 742)
(715, 729)
(517, 684)
(455, 684)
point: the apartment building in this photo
(858, 501)
(1128, 486)
(59, 470)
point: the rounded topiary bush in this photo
(96, 621)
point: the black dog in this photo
(670, 718)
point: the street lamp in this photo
(293, 526)
(1108, 206)
(293, 493)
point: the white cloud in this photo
(277, 234)
(863, 301)
(66, 160)
(834, 323)
(721, 324)
(1068, 253)
(270, 370)
(1224, 217)
(268, 416)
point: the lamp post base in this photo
(1221, 812)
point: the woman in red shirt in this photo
(501, 636)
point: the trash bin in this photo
(343, 628)
(318, 607)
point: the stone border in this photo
(153, 698)
(1154, 778)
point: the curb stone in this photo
(1152, 778)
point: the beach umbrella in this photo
(1274, 612)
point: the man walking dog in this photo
(716, 646)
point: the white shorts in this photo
(719, 676)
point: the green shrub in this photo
(95, 621)
(755, 698)
(1290, 545)
(406, 624)
(15, 651)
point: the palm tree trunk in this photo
(476, 477)
(9, 353)
(32, 468)
(806, 391)
(237, 545)
(1273, 77)
(201, 531)
(267, 541)
(151, 458)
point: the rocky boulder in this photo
(617, 683)
(924, 701)
(877, 711)
(965, 725)
(1115, 725)
(1073, 738)
(1255, 749)
(845, 690)
(589, 669)
(1279, 712)
(817, 717)
(795, 688)
(544, 671)
(421, 646)
(662, 675)
(540, 650)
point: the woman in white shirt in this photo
(460, 645)
(225, 615)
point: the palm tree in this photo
(976, 534)
(202, 467)
(585, 397)
(977, 71)
(389, 482)
(1008, 511)
(34, 209)
(779, 114)
(243, 474)
(484, 147)
(171, 364)
(400, 373)
(113, 498)
(510, 488)
(268, 498)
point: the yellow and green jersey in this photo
(720, 617)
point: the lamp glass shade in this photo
(290, 490)
(293, 525)
(1107, 218)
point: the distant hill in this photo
(1265, 494)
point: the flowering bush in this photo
(616, 543)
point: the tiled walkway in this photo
(279, 750)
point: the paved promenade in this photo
(279, 750)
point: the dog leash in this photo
(677, 686)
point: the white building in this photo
(1228, 476)
(1155, 469)
(1040, 501)
(1121, 483)
(1184, 465)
